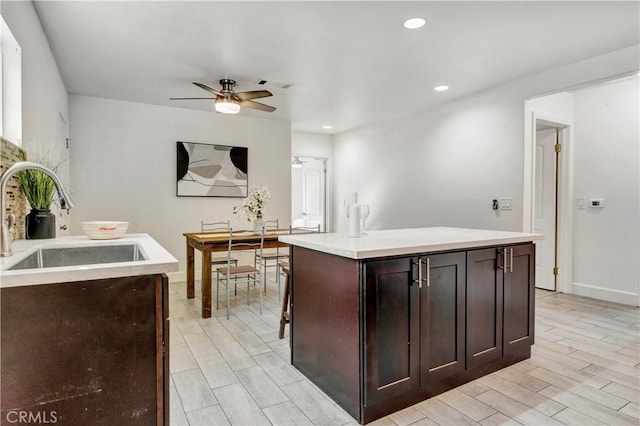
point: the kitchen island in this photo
(394, 317)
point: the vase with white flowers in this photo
(253, 206)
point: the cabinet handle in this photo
(504, 261)
(428, 272)
(511, 260)
(420, 272)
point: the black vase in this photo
(40, 224)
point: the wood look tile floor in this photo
(584, 370)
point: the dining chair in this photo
(218, 227)
(269, 259)
(249, 273)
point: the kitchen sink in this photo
(88, 255)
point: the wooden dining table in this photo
(209, 242)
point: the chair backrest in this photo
(235, 244)
(215, 226)
(271, 224)
(304, 229)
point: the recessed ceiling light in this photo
(441, 88)
(327, 126)
(414, 23)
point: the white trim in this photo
(565, 192)
(608, 294)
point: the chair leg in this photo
(278, 272)
(284, 312)
(248, 276)
(217, 290)
(228, 300)
(260, 293)
(264, 277)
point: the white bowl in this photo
(104, 229)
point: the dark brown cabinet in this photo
(392, 301)
(484, 306)
(414, 324)
(442, 320)
(500, 303)
(519, 300)
(86, 353)
(410, 327)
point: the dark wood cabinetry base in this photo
(379, 335)
(86, 353)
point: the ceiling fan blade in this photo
(186, 99)
(207, 88)
(255, 94)
(257, 105)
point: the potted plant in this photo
(38, 189)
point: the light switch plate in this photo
(505, 203)
(580, 203)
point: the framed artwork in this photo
(205, 170)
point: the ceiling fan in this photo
(229, 102)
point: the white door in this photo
(545, 208)
(313, 193)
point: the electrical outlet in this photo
(505, 203)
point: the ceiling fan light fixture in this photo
(296, 163)
(227, 106)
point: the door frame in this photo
(565, 192)
(327, 196)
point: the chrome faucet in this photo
(7, 222)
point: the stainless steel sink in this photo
(71, 256)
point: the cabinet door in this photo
(484, 306)
(442, 331)
(391, 321)
(519, 300)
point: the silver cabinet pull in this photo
(428, 272)
(504, 260)
(420, 272)
(511, 260)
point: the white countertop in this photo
(393, 242)
(159, 260)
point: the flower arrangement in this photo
(253, 206)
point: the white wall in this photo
(44, 96)
(306, 144)
(443, 166)
(123, 160)
(606, 163)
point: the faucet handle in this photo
(11, 220)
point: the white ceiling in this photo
(350, 63)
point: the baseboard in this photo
(608, 294)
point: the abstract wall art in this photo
(205, 170)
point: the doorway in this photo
(546, 204)
(309, 192)
(549, 138)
